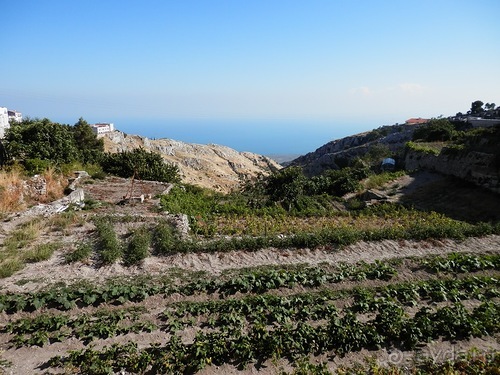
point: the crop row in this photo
(260, 281)
(252, 281)
(339, 335)
(342, 235)
(316, 306)
(50, 328)
(459, 262)
(235, 314)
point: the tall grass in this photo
(55, 185)
(11, 191)
(40, 252)
(15, 196)
(82, 252)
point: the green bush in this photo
(138, 247)
(36, 166)
(440, 129)
(35, 140)
(165, 239)
(108, 245)
(140, 164)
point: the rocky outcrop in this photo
(336, 152)
(474, 166)
(213, 166)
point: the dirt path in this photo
(39, 275)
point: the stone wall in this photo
(476, 167)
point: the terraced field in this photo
(352, 301)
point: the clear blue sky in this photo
(175, 69)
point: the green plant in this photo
(425, 148)
(9, 267)
(40, 252)
(108, 245)
(165, 239)
(140, 164)
(138, 247)
(82, 252)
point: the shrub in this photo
(440, 129)
(165, 239)
(36, 166)
(108, 244)
(140, 164)
(138, 247)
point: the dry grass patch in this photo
(55, 185)
(11, 191)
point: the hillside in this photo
(394, 279)
(212, 166)
(338, 153)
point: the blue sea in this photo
(261, 137)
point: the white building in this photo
(15, 116)
(4, 121)
(102, 128)
(7, 115)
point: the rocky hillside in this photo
(213, 166)
(471, 155)
(335, 153)
(477, 162)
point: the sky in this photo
(268, 76)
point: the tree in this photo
(286, 186)
(437, 129)
(489, 106)
(476, 107)
(36, 142)
(91, 148)
(140, 164)
(41, 139)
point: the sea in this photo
(266, 137)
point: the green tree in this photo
(140, 164)
(437, 129)
(41, 139)
(286, 186)
(91, 148)
(489, 106)
(476, 107)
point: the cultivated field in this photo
(116, 289)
